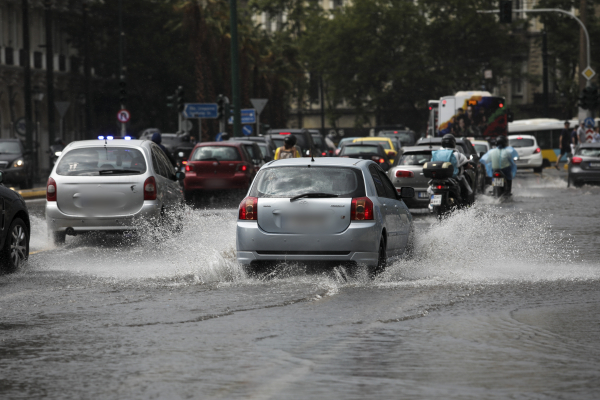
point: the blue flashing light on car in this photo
(110, 137)
(127, 138)
(100, 137)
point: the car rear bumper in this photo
(358, 243)
(58, 221)
(531, 161)
(580, 175)
(238, 181)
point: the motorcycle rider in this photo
(502, 158)
(448, 153)
(57, 147)
(288, 150)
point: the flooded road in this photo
(499, 302)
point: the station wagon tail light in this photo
(577, 160)
(404, 174)
(362, 209)
(538, 150)
(150, 188)
(189, 167)
(51, 190)
(248, 209)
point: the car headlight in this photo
(18, 163)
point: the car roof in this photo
(521, 136)
(478, 141)
(111, 143)
(321, 161)
(227, 144)
(419, 149)
(373, 139)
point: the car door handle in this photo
(276, 212)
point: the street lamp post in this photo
(38, 96)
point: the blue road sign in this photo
(247, 130)
(219, 137)
(589, 122)
(200, 110)
(248, 116)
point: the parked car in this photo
(408, 171)
(386, 142)
(218, 166)
(476, 176)
(15, 163)
(530, 154)
(406, 137)
(334, 209)
(584, 167)
(100, 186)
(365, 151)
(16, 229)
(304, 141)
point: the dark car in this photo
(476, 176)
(218, 166)
(15, 229)
(325, 149)
(584, 167)
(304, 141)
(265, 144)
(179, 146)
(252, 149)
(406, 138)
(367, 151)
(15, 162)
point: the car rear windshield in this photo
(384, 143)
(419, 158)
(404, 137)
(480, 148)
(286, 182)
(10, 148)
(319, 142)
(350, 150)
(521, 142)
(588, 152)
(96, 161)
(301, 143)
(219, 153)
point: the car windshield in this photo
(588, 152)
(218, 153)
(384, 143)
(10, 148)
(95, 161)
(481, 148)
(419, 158)
(350, 150)
(287, 182)
(521, 142)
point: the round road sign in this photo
(21, 126)
(123, 116)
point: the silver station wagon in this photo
(104, 185)
(329, 209)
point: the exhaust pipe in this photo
(71, 232)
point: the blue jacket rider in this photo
(448, 153)
(501, 158)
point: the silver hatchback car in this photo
(105, 185)
(329, 209)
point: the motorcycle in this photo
(499, 184)
(444, 190)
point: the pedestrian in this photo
(564, 143)
(574, 139)
(596, 137)
(581, 133)
(288, 150)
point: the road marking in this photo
(38, 251)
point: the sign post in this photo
(259, 106)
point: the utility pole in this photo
(87, 70)
(235, 70)
(49, 71)
(322, 101)
(27, 77)
(545, 70)
(583, 62)
(121, 68)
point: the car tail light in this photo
(440, 187)
(51, 190)
(497, 175)
(576, 160)
(381, 161)
(242, 168)
(184, 162)
(404, 174)
(324, 154)
(362, 209)
(285, 133)
(189, 167)
(248, 209)
(538, 150)
(150, 188)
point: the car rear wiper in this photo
(118, 171)
(313, 195)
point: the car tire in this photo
(16, 246)
(539, 170)
(58, 238)
(381, 261)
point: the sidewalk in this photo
(35, 193)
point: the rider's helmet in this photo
(501, 142)
(59, 141)
(449, 141)
(290, 141)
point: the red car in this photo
(218, 166)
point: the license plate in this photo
(422, 195)
(436, 200)
(498, 182)
(595, 165)
(304, 222)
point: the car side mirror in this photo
(406, 193)
(179, 176)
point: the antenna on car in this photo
(312, 157)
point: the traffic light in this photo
(588, 99)
(122, 92)
(582, 103)
(171, 101)
(220, 107)
(505, 11)
(180, 101)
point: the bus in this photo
(472, 113)
(547, 134)
(432, 121)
